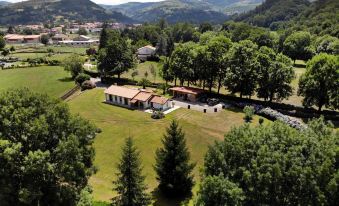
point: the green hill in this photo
(272, 11)
(194, 11)
(34, 11)
(320, 18)
(179, 10)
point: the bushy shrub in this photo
(261, 121)
(217, 190)
(249, 112)
(87, 85)
(81, 78)
(158, 115)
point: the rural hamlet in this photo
(169, 102)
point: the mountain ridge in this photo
(34, 11)
(194, 11)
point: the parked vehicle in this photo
(212, 101)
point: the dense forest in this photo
(318, 17)
(272, 11)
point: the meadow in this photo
(118, 123)
(51, 80)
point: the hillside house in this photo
(135, 99)
(146, 52)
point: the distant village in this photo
(75, 34)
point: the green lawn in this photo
(47, 79)
(295, 99)
(24, 56)
(118, 123)
(142, 68)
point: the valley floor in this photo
(118, 123)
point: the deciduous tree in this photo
(275, 164)
(243, 67)
(218, 191)
(74, 65)
(218, 48)
(46, 153)
(117, 57)
(298, 46)
(44, 39)
(319, 85)
(275, 75)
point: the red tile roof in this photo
(143, 96)
(122, 91)
(187, 90)
(159, 100)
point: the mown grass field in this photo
(144, 67)
(118, 123)
(46, 79)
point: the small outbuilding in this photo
(187, 93)
(160, 103)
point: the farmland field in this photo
(118, 123)
(46, 79)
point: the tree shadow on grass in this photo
(161, 200)
(66, 79)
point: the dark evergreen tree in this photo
(130, 184)
(104, 36)
(173, 167)
(162, 45)
(170, 45)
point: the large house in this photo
(134, 98)
(145, 52)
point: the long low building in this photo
(21, 39)
(135, 99)
(79, 43)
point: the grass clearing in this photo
(46, 79)
(142, 68)
(118, 123)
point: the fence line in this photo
(70, 92)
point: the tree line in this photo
(244, 59)
(247, 69)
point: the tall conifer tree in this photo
(130, 184)
(173, 167)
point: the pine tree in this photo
(104, 36)
(130, 181)
(173, 167)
